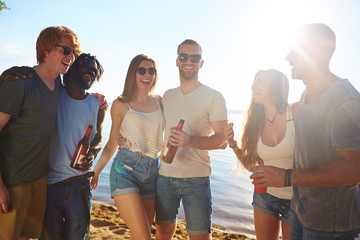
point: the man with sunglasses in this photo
(186, 179)
(68, 203)
(27, 119)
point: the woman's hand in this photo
(229, 134)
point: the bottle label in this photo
(79, 154)
(170, 150)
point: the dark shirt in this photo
(24, 140)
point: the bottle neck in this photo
(88, 131)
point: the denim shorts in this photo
(271, 205)
(299, 232)
(195, 195)
(133, 173)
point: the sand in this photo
(106, 223)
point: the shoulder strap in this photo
(289, 116)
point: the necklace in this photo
(271, 122)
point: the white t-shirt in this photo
(198, 108)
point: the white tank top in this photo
(280, 155)
(143, 131)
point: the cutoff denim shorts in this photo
(133, 173)
(269, 204)
(195, 195)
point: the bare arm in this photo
(118, 111)
(229, 135)
(4, 118)
(212, 142)
(96, 143)
(4, 194)
(4, 197)
(343, 171)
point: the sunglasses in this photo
(142, 71)
(90, 64)
(66, 50)
(194, 58)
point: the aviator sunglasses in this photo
(66, 50)
(142, 71)
(194, 58)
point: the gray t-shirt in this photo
(329, 123)
(198, 108)
(24, 140)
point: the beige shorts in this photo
(27, 209)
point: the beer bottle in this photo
(170, 149)
(81, 149)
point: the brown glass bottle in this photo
(81, 149)
(170, 149)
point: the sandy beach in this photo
(106, 223)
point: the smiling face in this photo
(299, 58)
(261, 89)
(189, 70)
(86, 72)
(146, 81)
(59, 62)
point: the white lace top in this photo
(143, 131)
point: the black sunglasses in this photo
(142, 71)
(90, 64)
(66, 50)
(194, 58)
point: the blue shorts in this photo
(195, 195)
(271, 205)
(133, 173)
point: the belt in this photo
(78, 177)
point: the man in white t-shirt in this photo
(186, 179)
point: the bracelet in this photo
(233, 146)
(287, 180)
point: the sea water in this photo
(231, 188)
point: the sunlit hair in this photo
(130, 80)
(50, 37)
(279, 90)
(189, 41)
(83, 58)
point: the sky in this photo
(238, 37)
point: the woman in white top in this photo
(268, 138)
(137, 116)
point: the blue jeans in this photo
(195, 195)
(68, 209)
(133, 173)
(299, 232)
